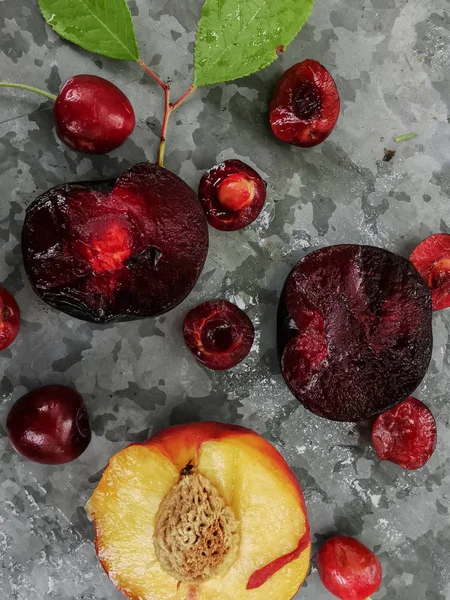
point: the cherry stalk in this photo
(169, 107)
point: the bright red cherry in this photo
(406, 434)
(92, 115)
(9, 319)
(348, 569)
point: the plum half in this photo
(305, 106)
(218, 333)
(116, 251)
(354, 331)
(232, 194)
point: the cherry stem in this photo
(29, 88)
(168, 107)
(153, 75)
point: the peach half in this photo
(204, 511)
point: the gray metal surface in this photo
(391, 60)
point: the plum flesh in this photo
(116, 252)
(354, 331)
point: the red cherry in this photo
(305, 106)
(432, 259)
(218, 333)
(9, 319)
(92, 115)
(348, 569)
(232, 195)
(49, 425)
(406, 435)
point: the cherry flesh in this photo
(348, 569)
(92, 115)
(133, 249)
(305, 106)
(354, 331)
(405, 435)
(219, 334)
(432, 259)
(232, 194)
(49, 425)
(9, 319)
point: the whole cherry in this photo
(91, 114)
(305, 106)
(49, 425)
(9, 318)
(348, 569)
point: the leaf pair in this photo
(234, 37)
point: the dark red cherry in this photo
(305, 106)
(232, 194)
(92, 115)
(348, 569)
(9, 319)
(49, 425)
(218, 333)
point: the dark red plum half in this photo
(232, 194)
(133, 251)
(219, 334)
(354, 331)
(432, 259)
(305, 106)
(49, 425)
(406, 434)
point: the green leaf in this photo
(100, 26)
(238, 37)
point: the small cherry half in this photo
(232, 195)
(405, 435)
(432, 259)
(219, 334)
(9, 318)
(305, 106)
(348, 569)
